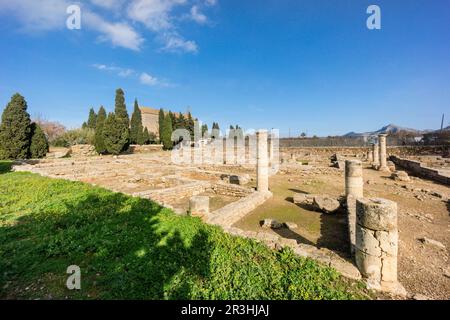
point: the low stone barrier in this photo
(134, 148)
(233, 190)
(175, 193)
(233, 212)
(323, 256)
(417, 168)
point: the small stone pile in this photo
(82, 150)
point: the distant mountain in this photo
(390, 128)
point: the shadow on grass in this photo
(333, 228)
(120, 244)
(5, 166)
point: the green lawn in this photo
(131, 248)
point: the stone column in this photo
(353, 190)
(270, 151)
(383, 156)
(377, 244)
(262, 170)
(370, 156)
(353, 178)
(376, 158)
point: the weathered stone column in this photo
(353, 190)
(270, 141)
(383, 156)
(370, 155)
(353, 178)
(377, 243)
(376, 158)
(262, 170)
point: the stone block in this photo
(199, 205)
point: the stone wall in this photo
(324, 153)
(233, 212)
(145, 148)
(418, 169)
(173, 194)
(233, 190)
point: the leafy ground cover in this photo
(132, 248)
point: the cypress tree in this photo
(92, 120)
(98, 141)
(166, 137)
(204, 130)
(121, 118)
(145, 136)
(39, 144)
(114, 137)
(161, 117)
(190, 125)
(137, 130)
(181, 122)
(15, 129)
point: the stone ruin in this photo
(372, 222)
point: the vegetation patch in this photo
(132, 248)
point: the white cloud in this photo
(197, 16)
(37, 15)
(162, 17)
(118, 33)
(144, 77)
(175, 43)
(122, 72)
(154, 14)
(147, 79)
(152, 81)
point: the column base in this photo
(384, 169)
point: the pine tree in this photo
(92, 120)
(137, 130)
(161, 117)
(39, 144)
(121, 118)
(99, 142)
(166, 133)
(15, 129)
(114, 137)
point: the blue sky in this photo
(305, 65)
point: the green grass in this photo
(131, 248)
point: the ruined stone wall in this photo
(417, 168)
(359, 152)
(233, 190)
(134, 148)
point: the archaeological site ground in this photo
(224, 159)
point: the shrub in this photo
(76, 136)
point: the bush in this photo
(76, 136)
